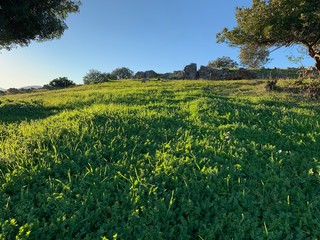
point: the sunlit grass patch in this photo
(163, 160)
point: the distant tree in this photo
(95, 76)
(47, 86)
(13, 90)
(24, 21)
(61, 82)
(223, 62)
(254, 56)
(122, 73)
(279, 23)
(298, 59)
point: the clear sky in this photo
(159, 35)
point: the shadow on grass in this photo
(234, 87)
(12, 111)
(219, 174)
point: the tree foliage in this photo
(223, 62)
(12, 90)
(24, 21)
(61, 82)
(277, 23)
(95, 76)
(122, 73)
(254, 56)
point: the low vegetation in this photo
(160, 160)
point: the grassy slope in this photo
(161, 160)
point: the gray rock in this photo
(165, 75)
(205, 72)
(216, 74)
(176, 75)
(244, 74)
(139, 74)
(190, 71)
(226, 74)
(150, 74)
(146, 74)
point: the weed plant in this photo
(160, 160)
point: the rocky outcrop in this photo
(190, 71)
(205, 72)
(139, 74)
(146, 74)
(310, 72)
(150, 74)
(165, 75)
(222, 74)
(243, 73)
(177, 75)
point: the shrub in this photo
(61, 82)
(13, 90)
(223, 62)
(95, 76)
(122, 73)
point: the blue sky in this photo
(162, 35)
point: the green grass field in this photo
(160, 160)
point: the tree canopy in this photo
(254, 56)
(95, 76)
(24, 21)
(61, 82)
(122, 73)
(223, 62)
(277, 23)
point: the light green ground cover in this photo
(160, 160)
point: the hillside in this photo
(160, 160)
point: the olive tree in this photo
(95, 76)
(24, 21)
(254, 56)
(279, 23)
(61, 82)
(223, 62)
(122, 73)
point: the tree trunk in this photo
(316, 56)
(317, 59)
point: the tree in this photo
(61, 82)
(122, 73)
(40, 20)
(298, 59)
(223, 62)
(95, 76)
(13, 90)
(254, 56)
(277, 23)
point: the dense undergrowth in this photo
(161, 160)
